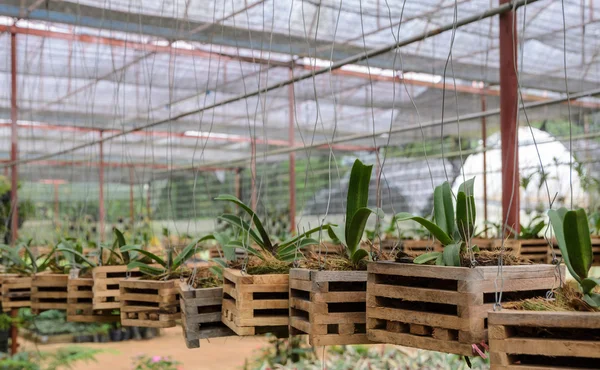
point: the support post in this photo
(14, 142)
(14, 180)
(101, 215)
(131, 208)
(508, 121)
(484, 144)
(292, 160)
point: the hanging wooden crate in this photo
(149, 303)
(416, 247)
(535, 250)
(49, 292)
(443, 308)
(106, 285)
(512, 246)
(388, 245)
(329, 306)
(214, 252)
(544, 340)
(80, 308)
(255, 304)
(201, 314)
(16, 292)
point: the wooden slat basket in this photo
(441, 308)
(80, 308)
(255, 304)
(16, 291)
(149, 303)
(544, 340)
(417, 247)
(535, 250)
(106, 285)
(201, 314)
(329, 306)
(49, 292)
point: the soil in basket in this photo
(566, 298)
(257, 266)
(483, 258)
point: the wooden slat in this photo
(583, 320)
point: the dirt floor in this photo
(219, 353)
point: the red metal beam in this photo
(291, 136)
(14, 180)
(68, 36)
(179, 135)
(484, 141)
(14, 143)
(508, 121)
(156, 166)
(101, 188)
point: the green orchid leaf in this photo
(78, 254)
(588, 284)
(443, 208)
(120, 239)
(556, 220)
(305, 234)
(433, 228)
(358, 255)
(357, 227)
(593, 299)
(467, 187)
(112, 253)
(439, 261)
(138, 249)
(577, 240)
(146, 269)
(339, 233)
(358, 192)
(189, 251)
(237, 221)
(451, 254)
(465, 215)
(426, 257)
(266, 241)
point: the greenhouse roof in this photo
(88, 66)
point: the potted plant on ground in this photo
(560, 332)
(153, 299)
(256, 290)
(440, 300)
(327, 296)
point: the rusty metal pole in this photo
(101, 188)
(484, 144)
(131, 208)
(292, 170)
(253, 199)
(14, 180)
(508, 120)
(14, 142)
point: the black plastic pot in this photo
(126, 333)
(116, 335)
(83, 338)
(136, 333)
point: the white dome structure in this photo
(555, 158)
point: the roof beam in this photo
(169, 28)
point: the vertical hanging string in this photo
(564, 32)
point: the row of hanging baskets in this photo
(456, 297)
